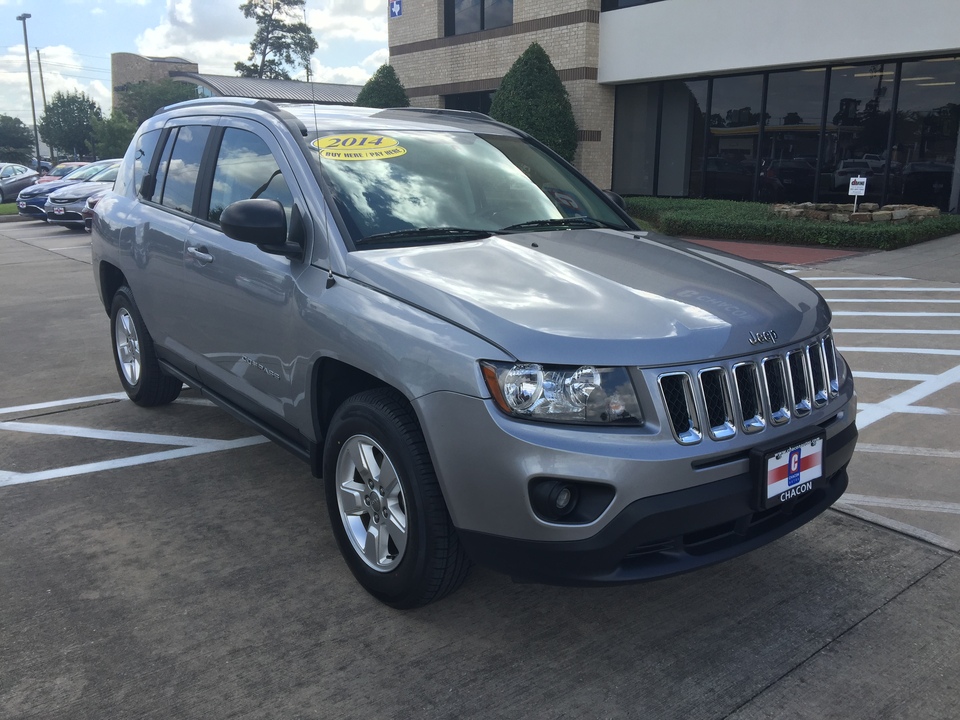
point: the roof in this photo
(274, 90)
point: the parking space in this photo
(901, 336)
(169, 563)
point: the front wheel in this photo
(385, 504)
(140, 374)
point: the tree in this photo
(16, 141)
(383, 90)
(532, 98)
(279, 41)
(141, 100)
(68, 121)
(111, 137)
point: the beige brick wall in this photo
(421, 20)
(129, 69)
(484, 63)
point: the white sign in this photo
(858, 186)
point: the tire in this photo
(397, 538)
(140, 374)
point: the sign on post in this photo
(858, 188)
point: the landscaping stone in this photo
(861, 217)
(881, 216)
(839, 217)
(866, 212)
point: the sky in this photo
(75, 39)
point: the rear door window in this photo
(178, 171)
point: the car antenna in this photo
(331, 280)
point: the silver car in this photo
(65, 205)
(14, 178)
(478, 351)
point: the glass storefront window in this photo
(791, 134)
(668, 142)
(732, 142)
(858, 127)
(635, 138)
(926, 133)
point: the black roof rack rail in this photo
(445, 111)
(265, 105)
(240, 101)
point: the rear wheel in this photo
(140, 374)
(385, 504)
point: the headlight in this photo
(555, 393)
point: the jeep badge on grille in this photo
(764, 336)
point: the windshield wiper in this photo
(570, 222)
(443, 234)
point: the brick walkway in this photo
(779, 254)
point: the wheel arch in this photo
(111, 279)
(332, 382)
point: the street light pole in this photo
(33, 108)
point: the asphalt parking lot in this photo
(169, 563)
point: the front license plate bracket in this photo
(789, 470)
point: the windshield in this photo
(87, 171)
(404, 184)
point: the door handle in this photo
(200, 253)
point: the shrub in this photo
(383, 90)
(731, 220)
(532, 97)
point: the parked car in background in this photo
(14, 178)
(65, 205)
(30, 202)
(61, 170)
(848, 169)
(782, 180)
(87, 212)
(44, 166)
(928, 183)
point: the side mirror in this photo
(616, 199)
(260, 222)
(148, 186)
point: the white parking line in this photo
(62, 403)
(869, 414)
(903, 503)
(899, 351)
(98, 434)
(896, 525)
(895, 331)
(905, 450)
(9, 478)
(851, 313)
(845, 278)
(912, 377)
(903, 301)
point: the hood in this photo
(45, 188)
(599, 296)
(81, 190)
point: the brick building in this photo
(738, 99)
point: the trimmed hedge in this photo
(756, 222)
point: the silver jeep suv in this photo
(477, 350)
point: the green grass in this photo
(8, 208)
(756, 222)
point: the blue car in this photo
(31, 200)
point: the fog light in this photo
(563, 498)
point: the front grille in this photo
(747, 396)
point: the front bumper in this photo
(673, 508)
(665, 534)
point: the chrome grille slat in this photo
(747, 396)
(716, 400)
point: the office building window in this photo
(467, 16)
(796, 135)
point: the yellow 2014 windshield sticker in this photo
(358, 146)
